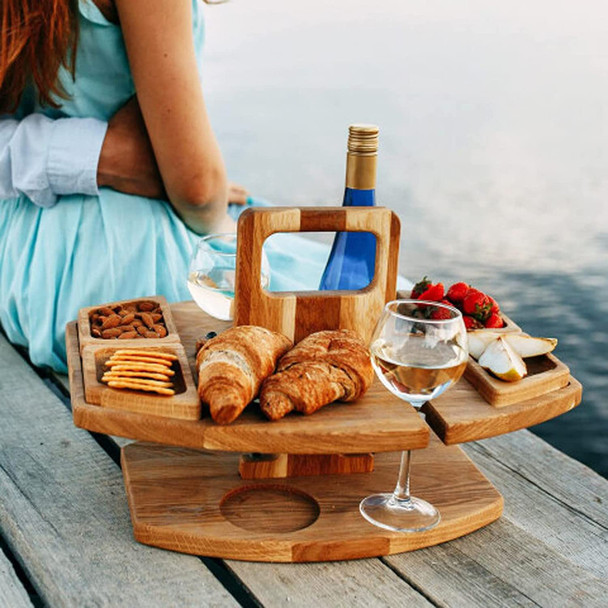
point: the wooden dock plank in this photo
(548, 549)
(64, 515)
(552, 497)
(12, 592)
(359, 583)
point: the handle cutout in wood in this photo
(297, 314)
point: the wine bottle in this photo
(353, 254)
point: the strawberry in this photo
(494, 320)
(434, 292)
(420, 287)
(495, 308)
(476, 304)
(471, 322)
(457, 292)
(439, 312)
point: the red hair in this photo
(37, 37)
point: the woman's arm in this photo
(160, 47)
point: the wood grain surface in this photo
(376, 422)
(458, 416)
(195, 502)
(185, 404)
(12, 592)
(546, 373)
(298, 314)
(64, 515)
(462, 414)
(84, 326)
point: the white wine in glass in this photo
(211, 276)
(419, 349)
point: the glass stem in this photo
(402, 489)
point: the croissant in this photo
(231, 368)
(324, 367)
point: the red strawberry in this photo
(471, 322)
(476, 304)
(457, 292)
(434, 292)
(439, 312)
(421, 286)
(495, 308)
(494, 320)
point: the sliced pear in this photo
(524, 346)
(502, 360)
(528, 346)
(479, 339)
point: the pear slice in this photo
(479, 340)
(528, 346)
(524, 345)
(502, 360)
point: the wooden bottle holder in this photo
(291, 501)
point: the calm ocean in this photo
(494, 123)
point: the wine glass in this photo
(419, 349)
(212, 272)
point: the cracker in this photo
(142, 381)
(128, 358)
(136, 374)
(116, 366)
(146, 353)
(141, 386)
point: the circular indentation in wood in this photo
(269, 508)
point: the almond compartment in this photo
(135, 323)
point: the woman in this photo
(63, 249)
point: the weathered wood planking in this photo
(298, 314)
(549, 495)
(366, 583)
(64, 515)
(548, 549)
(12, 592)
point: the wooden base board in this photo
(195, 502)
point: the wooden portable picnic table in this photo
(66, 537)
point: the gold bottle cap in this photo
(363, 139)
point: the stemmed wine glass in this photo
(419, 349)
(212, 274)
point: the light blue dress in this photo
(87, 250)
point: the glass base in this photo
(406, 515)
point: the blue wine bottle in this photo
(353, 254)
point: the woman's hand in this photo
(237, 194)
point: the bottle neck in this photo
(361, 171)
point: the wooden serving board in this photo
(458, 416)
(546, 373)
(376, 422)
(194, 502)
(184, 404)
